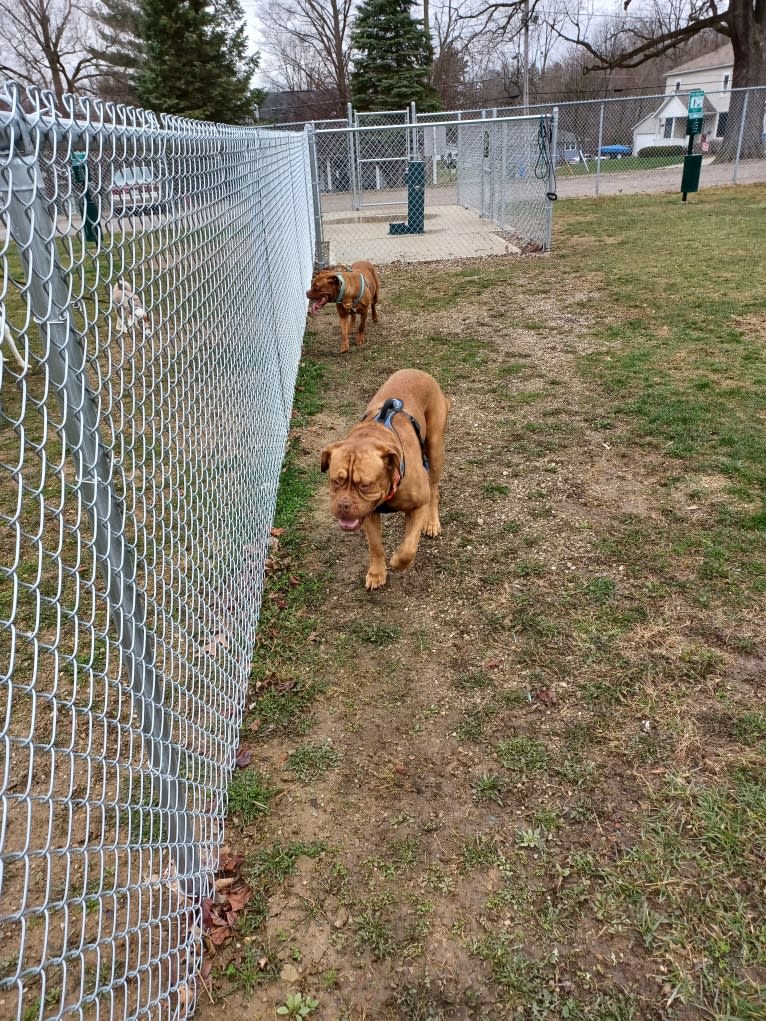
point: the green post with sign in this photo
(690, 178)
(91, 225)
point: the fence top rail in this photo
(413, 127)
(426, 118)
(27, 110)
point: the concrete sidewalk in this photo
(450, 233)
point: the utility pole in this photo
(525, 79)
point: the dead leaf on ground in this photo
(244, 758)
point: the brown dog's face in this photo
(324, 288)
(362, 475)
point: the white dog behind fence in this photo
(130, 311)
(7, 339)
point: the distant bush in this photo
(661, 150)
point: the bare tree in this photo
(45, 43)
(516, 40)
(659, 27)
(308, 41)
(451, 57)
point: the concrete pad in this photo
(450, 233)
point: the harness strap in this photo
(341, 294)
(392, 407)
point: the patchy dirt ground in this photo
(472, 805)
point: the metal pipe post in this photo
(740, 137)
(353, 158)
(598, 146)
(315, 196)
(551, 180)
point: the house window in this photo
(720, 131)
(668, 127)
(725, 82)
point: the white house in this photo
(667, 124)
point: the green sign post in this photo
(695, 114)
(90, 215)
(690, 177)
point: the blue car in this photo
(615, 152)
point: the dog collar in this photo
(342, 281)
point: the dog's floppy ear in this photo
(325, 462)
(392, 459)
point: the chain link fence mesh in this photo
(152, 314)
(636, 144)
(618, 146)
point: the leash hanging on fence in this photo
(545, 167)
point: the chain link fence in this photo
(619, 146)
(153, 308)
(632, 145)
(392, 189)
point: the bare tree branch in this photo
(45, 43)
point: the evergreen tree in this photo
(197, 62)
(393, 57)
(119, 49)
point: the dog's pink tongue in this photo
(317, 306)
(348, 526)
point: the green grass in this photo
(249, 795)
(309, 762)
(552, 801)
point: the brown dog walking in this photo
(391, 461)
(354, 291)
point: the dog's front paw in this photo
(376, 578)
(433, 528)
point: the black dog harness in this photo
(392, 407)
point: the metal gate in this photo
(484, 187)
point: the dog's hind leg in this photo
(374, 303)
(437, 427)
(362, 313)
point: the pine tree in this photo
(197, 62)
(393, 57)
(119, 49)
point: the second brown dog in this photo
(354, 291)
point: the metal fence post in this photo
(353, 156)
(482, 143)
(740, 137)
(598, 146)
(551, 180)
(457, 167)
(33, 232)
(315, 196)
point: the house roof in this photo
(722, 57)
(681, 101)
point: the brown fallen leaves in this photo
(230, 895)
